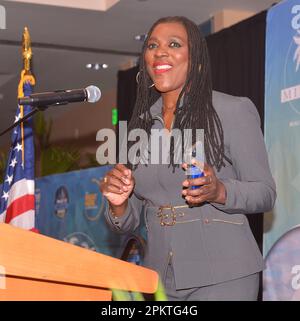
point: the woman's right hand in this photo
(117, 185)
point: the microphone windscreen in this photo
(93, 94)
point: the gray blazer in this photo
(211, 243)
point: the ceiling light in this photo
(96, 66)
(141, 37)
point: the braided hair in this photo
(197, 110)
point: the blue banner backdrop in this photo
(70, 207)
(282, 133)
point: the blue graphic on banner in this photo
(282, 277)
(70, 207)
(282, 132)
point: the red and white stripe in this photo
(20, 210)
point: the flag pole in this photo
(26, 76)
(26, 51)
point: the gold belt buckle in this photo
(163, 216)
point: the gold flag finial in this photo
(26, 75)
(27, 52)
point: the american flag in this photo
(17, 204)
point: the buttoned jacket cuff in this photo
(229, 203)
(118, 221)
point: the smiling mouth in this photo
(158, 69)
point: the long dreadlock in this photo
(197, 110)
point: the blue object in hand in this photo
(194, 172)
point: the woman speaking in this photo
(198, 237)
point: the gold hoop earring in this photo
(137, 77)
(200, 66)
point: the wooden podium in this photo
(35, 267)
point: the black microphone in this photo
(90, 94)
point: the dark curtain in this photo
(238, 67)
(126, 92)
(238, 60)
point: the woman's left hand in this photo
(211, 189)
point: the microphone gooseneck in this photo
(90, 94)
